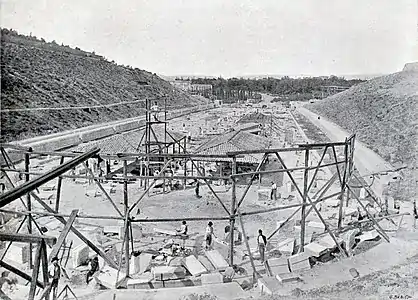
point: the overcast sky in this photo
(228, 37)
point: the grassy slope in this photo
(383, 112)
(38, 74)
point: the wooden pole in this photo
(35, 272)
(345, 170)
(305, 194)
(126, 204)
(45, 274)
(59, 184)
(29, 208)
(185, 162)
(232, 220)
(247, 245)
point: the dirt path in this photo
(367, 162)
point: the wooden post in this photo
(340, 212)
(44, 266)
(185, 163)
(232, 219)
(29, 208)
(126, 204)
(35, 272)
(244, 236)
(305, 194)
(57, 202)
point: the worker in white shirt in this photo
(273, 194)
(182, 232)
(155, 109)
(209, 236)
(262, 242)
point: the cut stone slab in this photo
(328, 242)
(165, 231)
(49, 186)
(194, 266)
(140, 263)
(108, 276)
(206, 263)
(18, 252)
(315, 249)
(278, 265)
(408, 221)
(133, 283)
(212, 278)
(80, 255)
(349, 211)
(318, 227)
(217, 260)
(349, 239)
(332, 202)
(299, 262)
(287, 277)
(287, 246)
(176, 262)
(268, 285)
(368, 235)
(168, 272)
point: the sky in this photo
(228, 37)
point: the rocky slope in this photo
(383, 112)
(36, 74)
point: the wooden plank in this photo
(27, 238)
(63, 234)
(78, 233)
(194, 266)
(165, 231)
(216, 259)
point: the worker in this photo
(94, 267)
(182, 232)
(262, 242)
(209, 236)
(56, 274)
(273, 194)
(5, 279)
(154, 108)
(197, 189)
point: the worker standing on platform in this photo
(56, 275)
(155, 109)
(262, 242)
(273, 194)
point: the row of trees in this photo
(285, 87)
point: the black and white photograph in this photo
(208, 150)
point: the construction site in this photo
(167, 193)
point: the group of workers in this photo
(210, 236)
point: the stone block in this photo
(18, 252)
(299, 262)
(318, 227)
(263, 195)
(108, 277)
(194, 266)
(206, 263)
(168, 273)
(349, 239)
(80, 255)
(315, 249)
(268, 285)
(140, 263)
(328, 242)
(278, 265)
(287, 277)
(287, 246)
(217, 260)
(212, 278)
(137, 282)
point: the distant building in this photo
(194, 89)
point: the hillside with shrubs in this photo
(37, 74)
(384, 113)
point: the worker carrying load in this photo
(155, 110)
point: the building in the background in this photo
(204, 90)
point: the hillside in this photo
(384, 113)
(36, 74)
